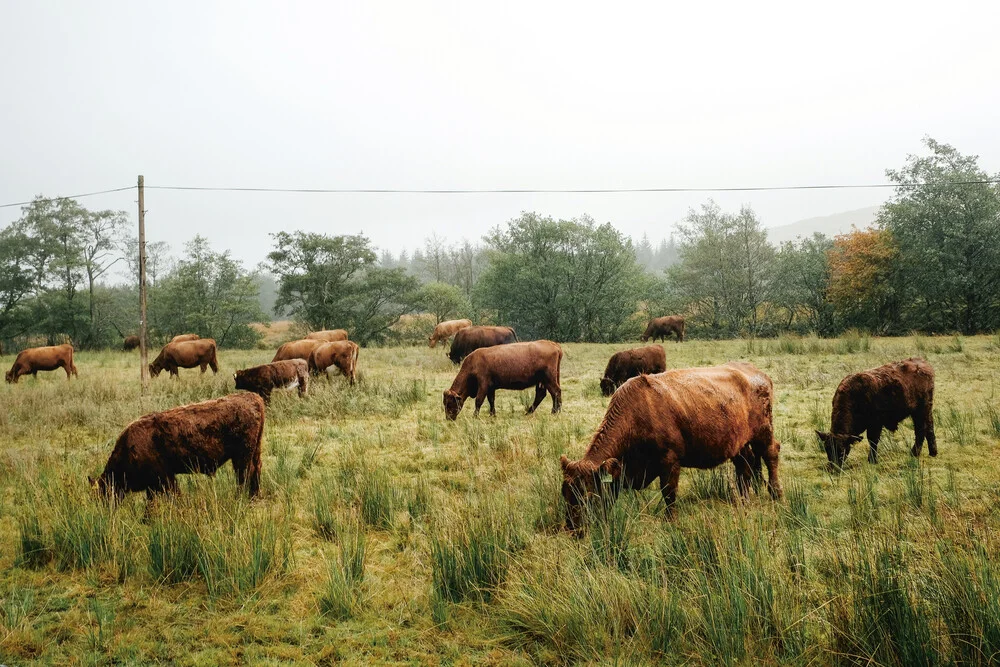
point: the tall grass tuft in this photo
(240, 554)
(853, 341)
(797, 503)
(862, 499)
(960, 425)
(993, 416)
(471, 555)
(419, 501)
(377, 497)
(323, 505)
(341, 598)
(33, 549)
(714, 484)
(967, 593)
(174, 547)
(611, 529)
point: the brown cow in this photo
(130, 343)
(328, 336)
(686, 418)
(188, 354)
(629, 363)
(184, 338)
(878, 398)
(447, 329)
(262, 380)
(342, 354)
(297, 349)
(197, 438)
(663, 327)
(516, 366)
(32, 360)
(473, 338)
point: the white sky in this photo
(480, 95)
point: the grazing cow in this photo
(686, 418)
(32, 360)
(515, 366)
(297, 349)
(629, 363)
(447, 329)
(130, 343)
(473, 338)
(187, 354)
(197, 438)
(878, 398)
(328, 336)
(262, 380)
(184, 338)
(342, 354)
(663, 327)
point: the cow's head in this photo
(155, 368)
(582, 484)
(241, 380)
(432, 341)
(607, 386)
(452, 404)
(837, 445)
(11, 377)
(106, 489)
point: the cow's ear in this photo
(822, 436)
(612, 467)
(564, 462)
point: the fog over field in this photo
(451, 95)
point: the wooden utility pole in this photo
(143, 351)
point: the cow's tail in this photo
(214, 362)
(72, 366)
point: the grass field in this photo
(386, 534)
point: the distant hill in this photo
(831, 225)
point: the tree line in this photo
(931, 262)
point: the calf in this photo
(878, 398)
(342, 355)
(629, 363)
(32, 360)
(262, 380)
(686, 418)
(663, 327)
(188, 354)
(297, 349)
(447, 329)
(514, 366)
(474, 338)
(198, 438)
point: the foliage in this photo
(802, 280)
(567, 280)
(863, 279)
(334, 282)
(946, 232)
(210, 294)
(443, 301)
(726, 268)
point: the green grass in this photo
(386, 534)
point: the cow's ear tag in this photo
(606, 477)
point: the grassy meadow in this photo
(386, 534)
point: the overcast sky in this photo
(480, 95)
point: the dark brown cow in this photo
(629, 363)
(130, 343)
(297, 349)
(687, 418)
(32, 360)
(473, 338)
(342, 354)
(328, 335)
(515, 366)
(447, 329)
(197, 438)
(187, 354)
(184, 338)
(878, 398)
(663, 327)
(262, 380)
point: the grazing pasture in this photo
(385, 533)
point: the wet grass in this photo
(386, 534)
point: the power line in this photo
(557, 191)
(52, 199)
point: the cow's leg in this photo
(744, 471)
(928, 420)
(669, 477)
(480, 397)
(539, 397)
(69, 371)
(771, 456)
(204, 367)
(874, 434)
(491, 396)
(214, 365)
(556, 391)
(266, 395)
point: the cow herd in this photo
(657, 420)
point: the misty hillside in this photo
(830, 225)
